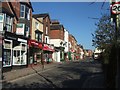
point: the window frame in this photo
(22, 11)
(8, 23)
(27, 29)
(39, 37)
(25, 11)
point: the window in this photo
(46, 31)
(19, 56)
(27, 29)
(38, 37)
(24, 12)
(7, 58)
(8, 23)
(46, 39)
(1, 21)
(36, 25)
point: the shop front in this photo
(47, 53)
(7, 52)
(14, 51)
(35, 52)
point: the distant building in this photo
(57, 39)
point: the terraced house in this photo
(16, 22)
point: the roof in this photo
(5, 10)
(40, 15)
(38, 31)
(56, 27)
(28, 4)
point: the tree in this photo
(104, 35)
(105, 38)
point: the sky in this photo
(77, 17)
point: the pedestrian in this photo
(42, 62)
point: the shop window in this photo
(20, 55)
(7, 58)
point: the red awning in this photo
(47, 48)
(35, 43)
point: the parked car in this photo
(96, 56)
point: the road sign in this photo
(115, 8)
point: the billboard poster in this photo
(20, 29)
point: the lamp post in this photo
(117, 49)
(2, 53)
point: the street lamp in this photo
(3, 36)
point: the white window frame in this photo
(22, 11)
(9, 22)
(46, 31)
(28, 15)
(20, 55)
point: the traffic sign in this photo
(115, 8)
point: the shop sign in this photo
(22, 40)
(20, 29)
(10, 37)
(35, 43)
(47, 48)
(8, 45)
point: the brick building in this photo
(16, 24)
(47, 47)
(72, 47)
(57, 39)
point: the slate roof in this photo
(5, 10)
(40, 15)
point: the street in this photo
(72, 74)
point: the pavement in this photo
(96, 81)
(91, 82)
(14, 74)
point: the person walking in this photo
(42, 61)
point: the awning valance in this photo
(48, 48)
(34, 43)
